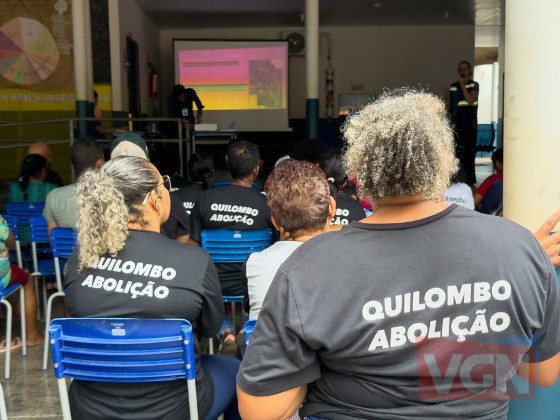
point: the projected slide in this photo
(236, 79)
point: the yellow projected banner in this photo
(28, 100)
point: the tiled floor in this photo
(32, 393)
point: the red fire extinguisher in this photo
(153, 81)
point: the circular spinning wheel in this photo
(28, 52)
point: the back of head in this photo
(41, 148)
(298, 196)
(498, 156)
(201, 167)
(178, 90)
(85, 153)
(129, 144)
(401, 145)
(31, 166)
(331, 164)
(107, 200)
(243, 157)
(309, 150)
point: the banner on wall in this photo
(28, 100)
(36, 55)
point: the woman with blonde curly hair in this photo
(399, 315)
(124, 267)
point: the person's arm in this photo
(471, 96)
(199, 108)
(10, 240)
(274, 407)
(477, 199)
(550, 243)
(184, 239)
(542, 374)
(246, 306)
(51, 226)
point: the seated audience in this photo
(498, 165)
(60, 206)
(301, 208)
(120, 210)
(348, 334)
(177, 225)
(201, 167)
(31, 185)
(458, 191)
(11, 274)
(237, 207)
(347, 209)
(43, 149)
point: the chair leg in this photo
(22, 318)
(44, 297)
(3, 413)
(193, 404)
(211, 345)
(8, 336)
(64, 403)
(47, 322)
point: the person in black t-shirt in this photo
(237, 207)
(201, 168)
(463, 108)
(124, 267)
(347, 209)
(396, 316)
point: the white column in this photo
(89, 52)
(531, 111)
(502, 67)
(80, 62)
(116, 57)
(312, 67)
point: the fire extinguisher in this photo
(329, 102)
(153, 81)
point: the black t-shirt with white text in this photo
(231, 207)
(151, 277)
(347, 210)
(455, 298)
(188, 196)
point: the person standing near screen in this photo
(180, 105)
(463, 108)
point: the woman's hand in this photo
(550, 243)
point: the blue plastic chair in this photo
(40, 244)
(63, 242)
(248, 330)
(12, 225)
(23, 211)
(225, 184)
(123, 350)
(233, 246)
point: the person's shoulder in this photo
(492, 225)
(327, 243)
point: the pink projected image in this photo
(236, 79)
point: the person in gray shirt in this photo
(60, 206)
(421, 310)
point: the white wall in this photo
(375, 57)
(132, 21)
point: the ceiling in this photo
(176, 14)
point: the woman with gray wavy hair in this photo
(369, 322)
(124, 267)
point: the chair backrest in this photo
(23, 211)
(122, 349)
(234, 246)
(63, 242)
(39, 230)
(224, 184)
(248, 330)
(11, 221)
